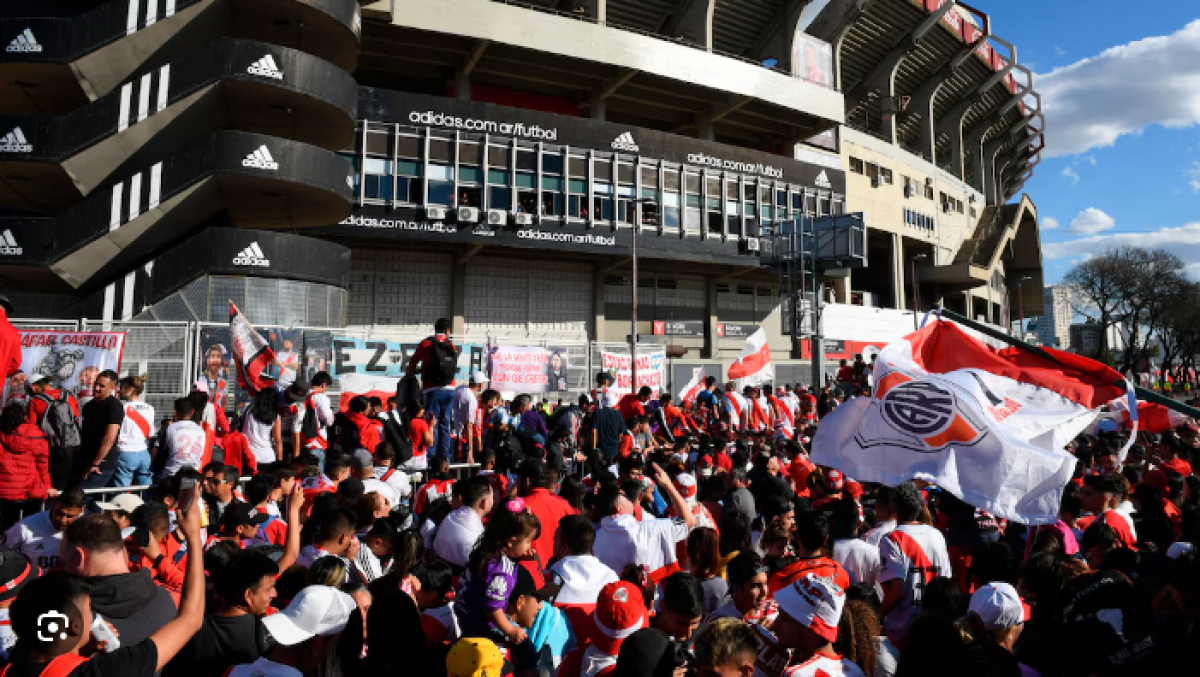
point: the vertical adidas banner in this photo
(72, 359)
(988, 425)
(252, 355)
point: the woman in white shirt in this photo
(262, 427)
(137, 428)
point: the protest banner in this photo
(651, 368)
(72, 359)
(526, 369)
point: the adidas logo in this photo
(14, 142)
(626, 142)
(261, 159)
(8, 245)
(822, 180)
(25, 43)
(266, 67)
(251, 256)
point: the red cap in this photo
(854, 489)
(620, 612)
(834, 480)
(1157, 479)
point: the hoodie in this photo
(133, 603)
(24, 464)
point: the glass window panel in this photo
(735, 225)
(552, 163)
(407, 189)
(692, 219)
(526, 159)
(553, 204)
(527, 202)
(441, 193)
(671, 199)
(378, 144)
(693, 200)
(649, 214)
(602, 170)
(768, 212)
(373, 165)
(781, 198)
(526, 180)
(470, 174)
(441, 150)
(603, 208)
(498, 156)
(650, 192)
(371, 187)
(409, 168)
(469, 153)
(649, 176)
(715, 224)
(408, 146)
(625, 191)
(731, 207)
(499, 198)
(624, 173)
(552, 183)
(671, 180)
(470, 197)
(671, 217)
(751, 209)
(441, 173)
(692, 182)
(714, 187)
(602, 188)
(576, 186)
(498, 176)
(764, 194)
(576, 206)
(577, 167)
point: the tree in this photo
(1156, 286)
(1100, 286)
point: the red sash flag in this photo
(753, 367)
(693, 387)
(988, 425)
(253, 356)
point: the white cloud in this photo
(1183, 241)
(1091, 221)
(1050, 223)
(1059, 51)
(1193, 177)
(1093, 102)
(1090, 159)
(1071, 175)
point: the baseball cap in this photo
(620, 612)
(316, 610)
(361, 458)
(238, 514)
(123, 502)
(478, 377)
(474, 657)
(15, 571)
(834, 480)
(685, 483)
(998, 605)
(815, 602)
(297, 391)
(1107, 426)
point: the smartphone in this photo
(187, 495)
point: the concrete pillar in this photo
(458, 298)
(598, 318)
(599, 108)
(710, 343)
(841, 289)
(705, 131)
(898, 296)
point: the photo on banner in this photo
(318, 353)
(288, 345)
(71, 359)
(216, 373)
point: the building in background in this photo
(344, 163)
(1054, 327)
(1085, 338)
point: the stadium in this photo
(330, 163)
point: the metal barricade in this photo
(160, 350)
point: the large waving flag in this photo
(753, 367)
(688, 394)
(988, 425)
(1151, 417)
(252, 355)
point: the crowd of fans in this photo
(617, 535)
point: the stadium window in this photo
(602, 170)
(408, 180)
(499, 156)
(856, 166)
(441, 150)
(602, 203)
(552, 163)
(577, 199)
(408, 146)
(469, 153)
(885, 175)
(577, 167)
(527, 159)
(872, 170)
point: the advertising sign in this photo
(812, 59)
(72, 359)
(732, 330)
(679, 328)
(522, 369)
(377, 357)
(651, 368)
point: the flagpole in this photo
(1142, 393)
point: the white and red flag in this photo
(1151, 417)
(253, 356)
(693, 387)
(753, 367)
(988, 425)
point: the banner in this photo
(253, 357)
(524, 369)
(378, 357)
(988, 425)
(72, 359)
(651, 368)
(693, 387)
(366, 385)
(753, 366)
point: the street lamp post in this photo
(633, 328)
(916, 294)
(1021, 303)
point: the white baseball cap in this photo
(317, 610)
(123, 502)
(815, 602)
(998, 605)
(478, 377)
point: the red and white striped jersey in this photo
(137, 427)
(821, 665)
(913, 554)
(735, 405)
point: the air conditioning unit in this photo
(496, 217)
(467, 214)
(972, 198)
(910, 191)
(751, 245)
(522, 219)
(435, 213)
(875, 181)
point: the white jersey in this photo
(185, 447)
(858, 558)
(829, 666)
(913, 554)
(582, 578)
(324, 415)
(37, 539)
(737, 407)
(137, 427)
(259, 437)
(877, 532)
(621, 540)
(398, 480)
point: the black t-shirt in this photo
(609, 426)
(97, 416)
(222, 641)
(139, 660)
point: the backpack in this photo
(343, 435)
(309, 428)
(396, 433)
(442, 365)
(58, 423)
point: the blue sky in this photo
(1121, 91)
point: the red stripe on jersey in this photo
(138, 420)
(918, 561)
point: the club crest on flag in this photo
(922, 416)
